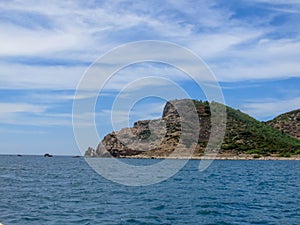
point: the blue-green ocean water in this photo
(65, 190)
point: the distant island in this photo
(245, 137)
(48, 155)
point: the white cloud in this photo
(220, 44)
(21, 131)
(270, 107)
(84, 32)
(71, 30)
(20, 107)
(18, 76)
(293, 2)
(293, 11)
(20, 41)
(267, 60)
(32, 115)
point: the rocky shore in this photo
(221, 157)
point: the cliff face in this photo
(147, 137)
(160, 137)
(288, 123)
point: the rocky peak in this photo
(170, 110)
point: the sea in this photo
(66, 190)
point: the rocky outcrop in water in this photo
(90, 152)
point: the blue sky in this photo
(252, 47)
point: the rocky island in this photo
(245, 137)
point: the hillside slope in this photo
(288, 123)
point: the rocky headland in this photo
(245, 137)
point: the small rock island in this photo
(48, 155)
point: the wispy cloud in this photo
(16, 76)
(266, 108)
(235, 48)
(21, 107)
(281, 2)
(32, 115)
(268, 59)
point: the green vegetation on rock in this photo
(288, 123)
(246, 134)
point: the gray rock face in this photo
(90, 152)
(146, 137)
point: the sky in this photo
(251, 46)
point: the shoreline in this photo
(218, 157)
(245, 157)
